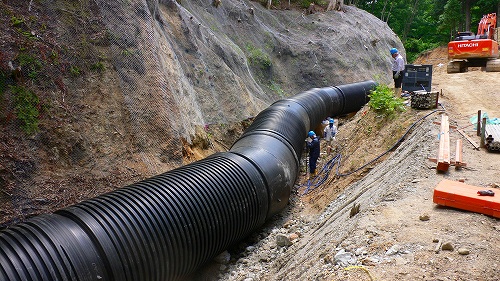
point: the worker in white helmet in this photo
(329, 134)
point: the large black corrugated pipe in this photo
(166, 226)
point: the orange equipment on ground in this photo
(466, 197)
(479, 50)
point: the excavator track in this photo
(493, 65)
(456, 67)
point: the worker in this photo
(329, 135)
(398, 67)
(314, 149)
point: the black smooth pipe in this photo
(165, 227)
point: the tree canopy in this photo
(425, 24)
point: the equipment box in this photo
(424, 100)
(417, 77)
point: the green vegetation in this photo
(74, 70)
(276, 88)
(126, 52)
(26, 104)
(98, 67)
(258, 58)
(15, 21)
(383, 101)
(30, 65)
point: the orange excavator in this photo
(479, 50)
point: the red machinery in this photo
(475, 50)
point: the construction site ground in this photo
(398, 232)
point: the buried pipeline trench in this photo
(165, 227)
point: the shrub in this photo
(75, 71)
(26, 103)
(258, 58)
(98, 67)
(382, 100)
(30, 64)
(15, 21)
(276, 88)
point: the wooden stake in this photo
(458, 155)
(483, 129)
(443, 162)
(478, 125)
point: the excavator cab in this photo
(464, 35)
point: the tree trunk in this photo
(382, 18)
(467, 15)
(335, 5)
(330, 5)
(409, 21)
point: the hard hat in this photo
(311, 133)
(331, 121)
(393, 51)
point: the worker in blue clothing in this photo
(314, 149)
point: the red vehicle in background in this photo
(479, 50)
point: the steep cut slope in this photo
(124, 88)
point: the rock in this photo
(360, 251)
(438, 246)
(283, 240)
(448, 246)
(250, 248)
(461, 180)
(263, 258)
(288, 224)
(424, 217)
(223, 258)
(463, 251)
(370, 261)
(344, 258)
(293, 236)
(393, 250)
(354, 210)
(328, 259)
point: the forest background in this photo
(422, 24)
